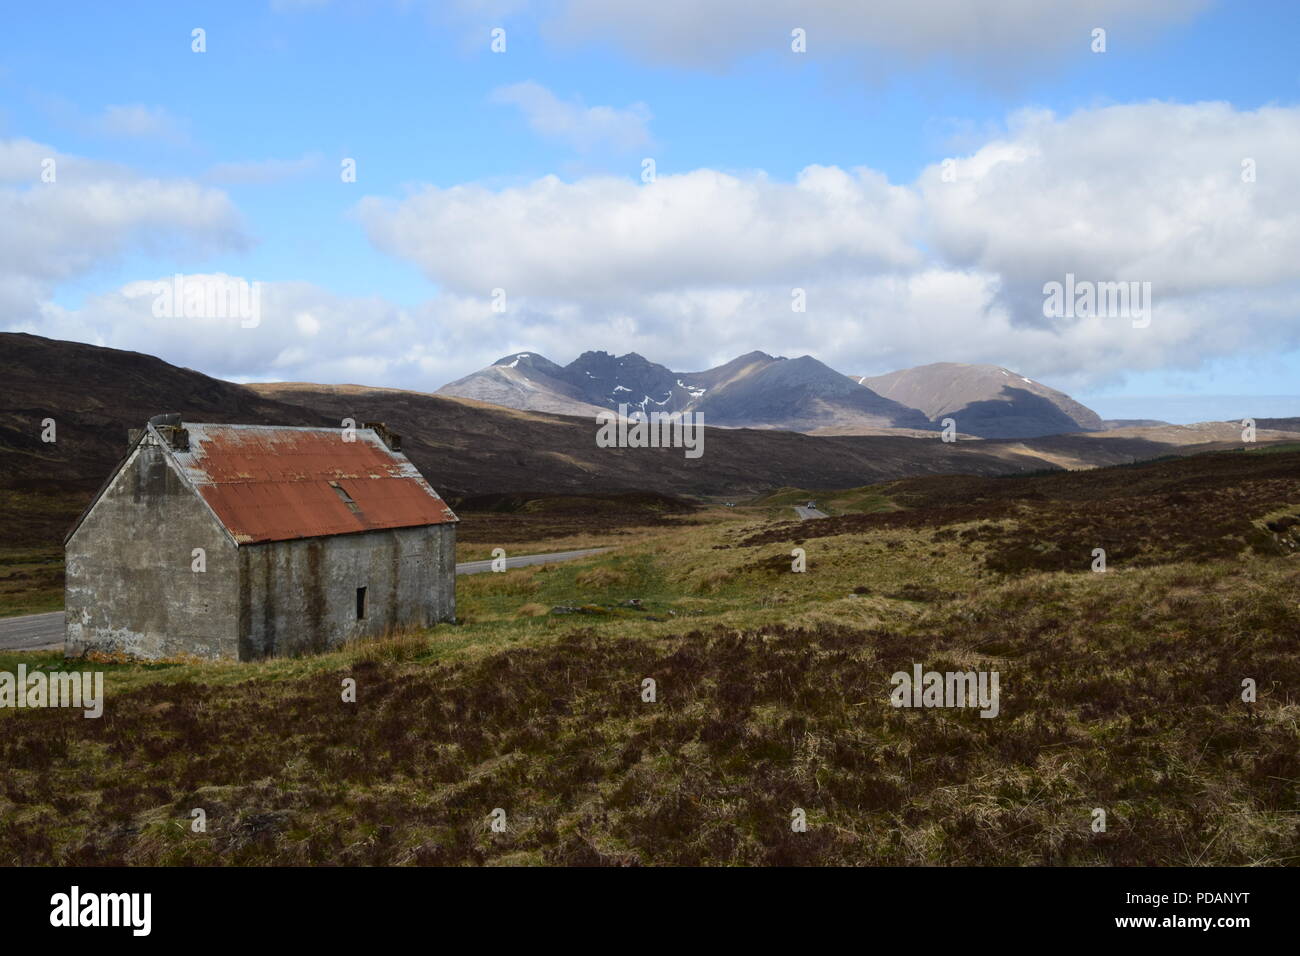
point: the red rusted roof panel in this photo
(273, 484)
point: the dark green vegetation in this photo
(1120, 691)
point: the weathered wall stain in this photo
(408, 573)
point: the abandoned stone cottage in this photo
(248, 541)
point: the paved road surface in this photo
(45, 631)
(523, 560)
(805, 512)
(31, 631)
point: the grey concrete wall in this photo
(300, 596)
(130, 588)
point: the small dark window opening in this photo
(361, 603)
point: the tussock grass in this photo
(600, 578)
(390, 648)
(1119, 690)
(749, 724)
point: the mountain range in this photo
(755, 390)
(802, 394)
(987, 401)
(65, 409)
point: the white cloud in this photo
(583, 127)
(702, 263)
(998, 40)
(303, 333)
(991, 37)
(90, 215)
(858, 326)
(1150, 192)
(603, 236)
(698, 267)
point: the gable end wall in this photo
(130, 584)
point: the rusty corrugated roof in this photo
(271, 483)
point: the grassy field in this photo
(31, 580)
(1119, 690)
(779, 504)
(31, 556)
(31, 567)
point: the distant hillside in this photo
(1111, 423)
(985, 400)
(470, 448)
(94, 395)
(464, 447)
(1266, 429)
(1279, 424)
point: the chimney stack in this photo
(168, 427)
(390, 438)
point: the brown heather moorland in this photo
(1120, 691)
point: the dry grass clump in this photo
(517, 581)
(601, 577)
(710, 580)
(391, 647)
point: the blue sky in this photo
(387, 280)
